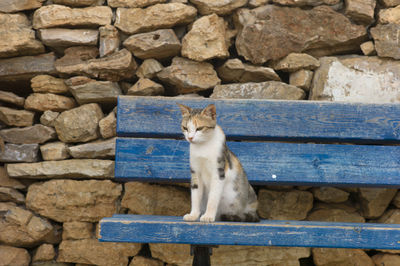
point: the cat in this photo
(220, 190)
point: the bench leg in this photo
(201, 255)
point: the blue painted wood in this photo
(264, 119)
(266, 162)
(167, 229)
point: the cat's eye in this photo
(184, 128)
(200, 128)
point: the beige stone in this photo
(257, 3)
(368, 48)
(149, 69)
(391, 216)
(335, 213)
(301, 79)
(207, 7)
(79, 3)
(146, 87)
(18, 118)
(336, 256)
(86, 168)
(77, 230)
(385, 38)
(188, 76)
(91, 251)
(19, 153)
(136, 3)
(143, 198)
(94, 150)
(11, 195)
(48, 118)
(109, 40)
(14, 256)
(386, 259)
(54, 151)
(80, 124)
(5, 206)
(48, 101)
(361, 11)
(71, 200)
(52, 16)
(136, 20)
(395, 201)
(28, 135)
(206, 39)
(12, 6)
(374, 201)
(12, 98)
(291, 205)
(157, 44)
(44, 252)
(6, 181)
(390, 15)
(263, 90)
(62, 38)
(108, 126)
(306, 2)
(390, 3)
(296, 61)
(330, 194)
(48, 84)
(18, 38)
(143, 261)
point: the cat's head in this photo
(198, 124)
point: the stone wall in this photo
(64, 62)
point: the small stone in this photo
(79, 124)
(207, 7)
(62, 38)
(52, 16)
(385, 38)
(44, 252)
(295, 61)
(390, 3)
(48, 84)
(136, 3)
(263, 90)
(109, 40)
(374, 201)
(146, 87)
(386, 259)
(234, 70)
(86, 90)
(77, 230)
(14, 153)
(157, 44)
(5, 206)
(187, 76)
(54, 151)
(11, 195)
(143, 261)
(301, 79)
(18, 118)
(291, 205)
(330, 194)
(306, 2)
(10, 97)
(257, 3)
(48, 118)
(14, 256)
(6, 181)
(108, 126)
(361, 11)
(149, 69)
(335, 213)
(94, 150)
(390, 15)
(136, 20)
(28, 135)
(85, 168)
(340, 256)
(206, 39)
(79, 3)
(368, 48)
(12, 6)
(48, 101)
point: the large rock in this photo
(187, 76)
(330, 194)
(335, 213)
(136, 20)
(48, 101)
(86, 90)
(82, 61)
(77, 230)
(94, 150)
(18, 38)
(385, 38)
(12, 6)
(206, 39)
(263, 90)
(80, 124)
(14, 153)
(109, 40)
(207, 7)
(62, 38)
(88, 168)
(93, 252)
(157, 44)
(28, 135)
(71, 200)
(374, 201)
(14, 256)
(48, 84)
(79, 3)
(339, 256)
(356, 79)
(390, 15)
(12, 98)
(52, 16)
(136, 3)
(361, 11)
(18, 118)
(272, 32)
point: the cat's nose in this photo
(190, 138)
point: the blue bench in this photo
(278, 142)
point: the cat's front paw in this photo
(205, 218)
(190, 217)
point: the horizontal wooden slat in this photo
(166, 229)
(265, 119)
(266, 162)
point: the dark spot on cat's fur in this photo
(251, 218)
(194, 186)
(221, 173)
(191, 170)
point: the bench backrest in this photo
(278, 142)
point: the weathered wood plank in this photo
(265, 119)
(266, 162)
(167, 229)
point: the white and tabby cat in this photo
(219, 186)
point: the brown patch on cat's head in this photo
(202, 118)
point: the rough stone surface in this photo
(79, 124)
(374, 201)
(6, 181)
(139, 260)
(331, 256)
(12, 98)
(18, 118)
(18, 38)
(187, 76)
(149, 69)
(48, 118)
(207, 7)
(291, 205)
(293, 30)
(263, 90)
(12, 6)
(94, 150)
(385, 38)
(390, 15)
(143, 198)
(87, 168)
(11, 195)
(157, 44)
(91, 251)
(28, 135)
(44, 252)
(390, 3)
(136, 20)
(108, 126)
(132, 4)
(79, 3)
(14, 153)
(330, 194)
(234, 70)
(335, 213)
(77, 230)
(386, 259)
(361, 11)
(48, 101)
(206, 39)
(306, 2)
(368, 48)
(146, 87)
(357, 79)
(48, 84)
(296, 61)
(70, 200)
(109, 40)
(391, 216)
(14, 256)
(301, 79)
(54, 151)
(52, 16)
(395, 201)
(86, 90)
(61, 38)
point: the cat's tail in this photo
(250, 217)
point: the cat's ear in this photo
(184, 109)
(210, 111)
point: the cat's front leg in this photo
(196, 189)
(214, 197)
